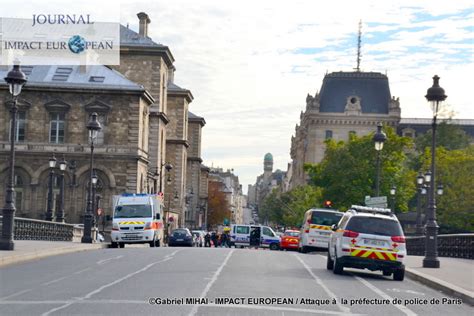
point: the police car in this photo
(368, 238)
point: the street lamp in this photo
(419, 182)
(379, 139)
(168, 168)
(15, 80)
(434, 95)
(95, 179)
(62, 168)
(94, 127)
(440, 189)
(393, 192)
(49, 211)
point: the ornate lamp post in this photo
(393, 192)
(434, 95)
(94, 127)
(95, 179)
(49, 211)
(168, 168)
(15, 80)
(379, 139)
(62, 168)
(419, 183)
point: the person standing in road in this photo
(207, 240)
(224, 240)
(214, 239)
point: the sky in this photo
(250, 64)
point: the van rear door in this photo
(241, 235)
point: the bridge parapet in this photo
(449, 245)
(34, 229)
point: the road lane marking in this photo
(384, 295)
(100, 262)
(342, 308)
(211, 282)
(15, 294)
(280, 309)
(83, 270)
(90, 294)
(56, 280)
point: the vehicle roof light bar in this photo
(367, 209)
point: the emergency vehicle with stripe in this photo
(368, 238)
(137, 218)
(316, 228)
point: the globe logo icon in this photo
(77, 44)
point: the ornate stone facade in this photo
(349, 102)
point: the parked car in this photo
(198, 238)
(290, 240)
(368, 238)
(181, 237)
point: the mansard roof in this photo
(129, 37)
(194, 118)
(371, 88)
(90, 77)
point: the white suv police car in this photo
(368, 238)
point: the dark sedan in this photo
(181, 237)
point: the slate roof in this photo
(90, 77)
(371, 87)
(132, 38)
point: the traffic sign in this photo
(376, 201)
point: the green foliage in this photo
(348, 171)
(288, 208)
(449, 136)
(455, 171)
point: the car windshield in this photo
(375, 226)
(292, 234)
(179, 233)
(132, 211)
(325, 218)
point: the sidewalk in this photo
(27, 250)
(455, 276)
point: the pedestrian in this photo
(207, 240)
(224, 240)
(255, 237)
(214, 239)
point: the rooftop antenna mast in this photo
(358, 45)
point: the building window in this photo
(328, 134)
(56, 128)
(100, 134)
(20, 127)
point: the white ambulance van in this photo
(316, 228)
(137, 218)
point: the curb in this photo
(440, 285)
(9, 260)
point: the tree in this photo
(347, 172)
(287, 209)
(218, 206)
(449, 136)
(455, 171)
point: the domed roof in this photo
(268, 157)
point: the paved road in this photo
(121, 281)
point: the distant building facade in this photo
(348, 102)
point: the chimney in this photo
(171, 74)
(144, 20)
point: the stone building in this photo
(196, 201)
(132, 102)
(267, 181)
(231, 187)
(55, 106)
(348, 102)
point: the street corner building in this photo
(131, 100)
